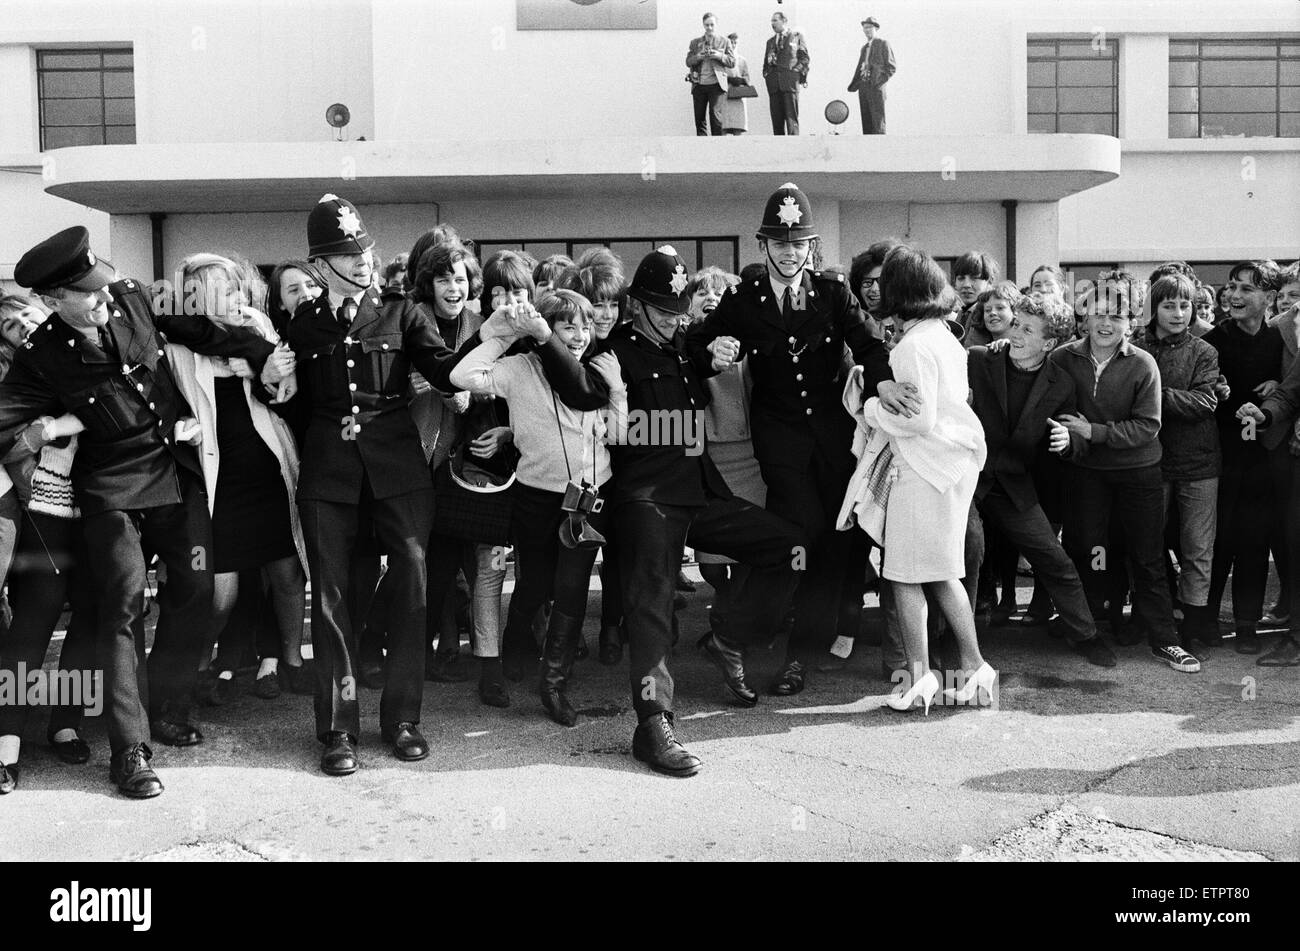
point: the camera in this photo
(581, 499)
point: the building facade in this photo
(1090, 134)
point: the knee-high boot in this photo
(518, 644)
(557, 664)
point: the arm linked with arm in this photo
(577, 386)
(1139, 429)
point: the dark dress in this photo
(250, 517)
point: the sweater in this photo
(1123, 406)
(538, 417)
(1189, 434)
(945, 438)
(1246, 361)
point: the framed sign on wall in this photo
(587, 14)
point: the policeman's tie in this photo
(787, 308)
(347, 311)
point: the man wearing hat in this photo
(136, 477)
(667, 493)
(361, 455)
(875, 67)
(785, 69)
(793, 326)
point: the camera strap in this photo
(582, 427)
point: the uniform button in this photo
(383, 346)
(356, 409)
(794, 359)
(356, 428)
(151, 406)
(656, 376)
(91, 400)
(828, 339)
(793, 341)
(804, 393)
(352, 386)
(351, 363)
(755, 350)
(140, 387)
(348, 341)
(808, 412)
(160, 353)
(798, 376)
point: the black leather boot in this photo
(655, 744)
(557, 664)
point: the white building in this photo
(558, 138)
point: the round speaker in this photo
(338, 115)
(837, 112)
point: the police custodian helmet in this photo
(661, 280)
(334, 227)
(788, 216)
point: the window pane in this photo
(1291, 125)
(1042, 49)
(1042, 100)
(118, 59)
(69, 59)
(1042, 74)
(1086, 100)
(1182, 99)
(1183, 48)
(72, 135)
(1183, 127)
(719, 254)
(119, 111)
(1289, 99)
(1183, 74)
(1240, 99)
(1097, 123)
(69, 85)
(631, 253)
(1085, 49)
(1239, 50)
(1042, 123)
(685, 248)
(544, 249)
(1230, 123)
(119, 84)
(1257, 73)
(1290, 72)
(74, 112)
(120, 135)
(1085, 73)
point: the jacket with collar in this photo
(1123, 405)
(1189, 434)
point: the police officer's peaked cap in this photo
(788, 216)
(334, 227)
(64, 260)
(661, 280)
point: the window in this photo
(696, 252)
(87, 97)
(1074, 86)
(1234, 88)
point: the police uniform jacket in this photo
(129, 401)
(354, 395)
(797, 370)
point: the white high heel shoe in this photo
(922, 692)
(984, 679)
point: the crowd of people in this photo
(402, 437)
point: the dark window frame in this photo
(571, 243)
(102, 70)
(1267, 47)
(1036, 52)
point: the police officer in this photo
(793, 326)
(667, 493)
(136, 477)
(361, 454)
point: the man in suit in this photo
(136, 478)
(785, 69)
(1016, 391)
(874, 69)
(361, 454)
(793, 325)
(708, 59)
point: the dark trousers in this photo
(810, 496)
(545, 569)
(1135, 498)
(1247, 513)
(1033, 535)
(707, 99)
(181, 536)
(330, 529)
(611, 580)
(785, 112)
(650, 541)
(253, 630)
(1280, 464)
(37, 592)
(871, 103)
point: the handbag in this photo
(472, 497)
(742, 91)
